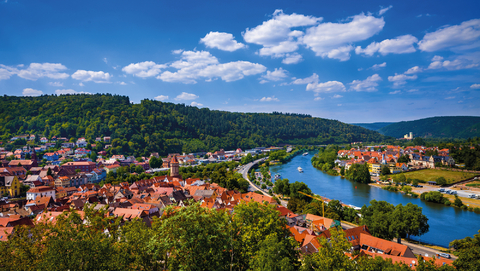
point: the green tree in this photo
(378, 219)
(441, 181)
(457, 202)
(468, 253)
(385, 170)
(408, 220)
(331, 254)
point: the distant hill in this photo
(373, 126)
(153, 126)
(436, 127)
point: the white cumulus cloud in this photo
(276, 75)
(401, 79)
(383, 10)
(97, 77)
(292, 58)
(196, 104)
(370, 84)
(222, 41)
(308, 80)
(399, 45)
(327, 87)
(334, 40)
(195, 65)
(456, 37)
(161, 98)
(31, 92)
(39, 70)
(269, 99)
(466, 61)
(186, 96)
(395, 92)
(379, 66)
(414, 70)
(144, 69)
(69, 91)
(318, 99)
(475, 86)
(336, 96)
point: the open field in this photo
(433, 174)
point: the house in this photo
(69, 145)
(82, 152)
(43, 140)
(99, 174)
(112, 168)
(62, 181)
(33, 181)
(81, 142)
(41, 191)
(27, 164)
(81, 166)
(10, 185)
(51, 156)
(98, 139)
(106, 139)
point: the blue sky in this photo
(354, 61)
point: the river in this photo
(446, 223)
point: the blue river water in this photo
(446, 223)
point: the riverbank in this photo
(471, 203)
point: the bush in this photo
(476, 210)
(447, 203)
(464, 207)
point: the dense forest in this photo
(375, 126)
(153, 126)
(436, 127)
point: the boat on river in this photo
(300, 169)
(277, 176)
(305, 154)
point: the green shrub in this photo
(476, 210)
(464, 207)
(448, 203)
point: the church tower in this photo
(174, 167)
(34, 158)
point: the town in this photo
(54, 181)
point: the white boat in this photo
(305, 154)
(300, 169)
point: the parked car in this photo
(471, 196)
(441, 190)
(444, 255)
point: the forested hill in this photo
(436, 127)
(373, 126)
(153, 126)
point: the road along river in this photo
(446, 223)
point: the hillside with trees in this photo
(436, 127)
(153, 126)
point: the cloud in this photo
(308, 80)
(269, 99)
(81, 84)
(334, 40)
(97, 77)
(177, 52)
(144, 69)
(395, 92)
(383, 10)
(412, 90)
(39, 70)
(401, 79)
(222, 41)
(414, 70)
(69, 91)
(196, 104)
(449, 98)
(105, 60)
(161, 98)
(458, 63)
(399, 45)
(318, 99)
(31, 92)
(195, 65)
(370, 84)
(336, 96)
(378, 66)
(475, 86)
(292, 58)
(276, 75)
(186, 96)
(327, 87)
(276, 36)
(56, 84)
(6, 72)
(456, 37)
(123, 83)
